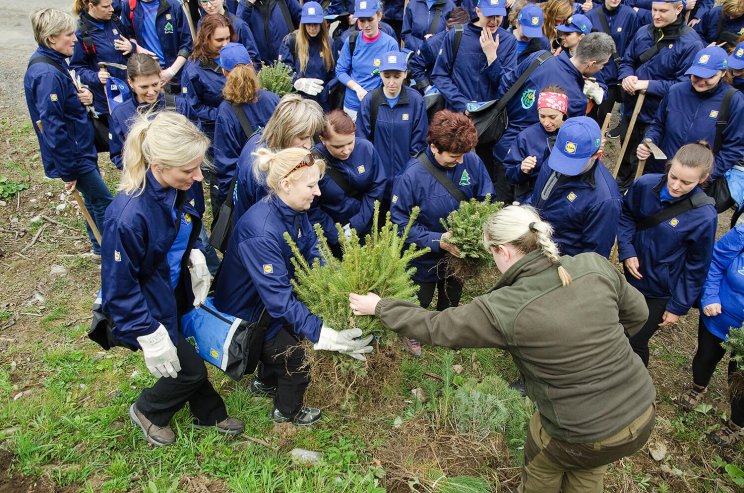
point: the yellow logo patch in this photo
(405, 117)
(571, 197)
(360, 169)
(114, 31)
(619, 29)
(377, 62)
(740, 52)
(674, 222)
(187, 217)
(117, 256)
(213, 353)
(570, 148)
(184, 90)
(535, 21)
(110, 136)
(168, 16)
(704, 59)
(53, 97)
(268, 268)
(714, 114)
(394, 199)
(671, 45)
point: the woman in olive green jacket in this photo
(566, 321)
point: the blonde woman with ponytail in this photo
(565, 322)
(153, 271)
(258, 261)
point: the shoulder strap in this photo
(542, 58)
(722, 121)
(456, 193)
(49, 61)
(698, 199)
(85, 38)
(352, 42)
(437, 15)
(282, 4)
(244, 123)
(654, 49)
(170, 101)
(292, 44)
(606, 30)
(336, 176)
(456, 45)
(374, 109)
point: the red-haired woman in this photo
(450, 157)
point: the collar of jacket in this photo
(211, 64)
(720, 87)
(669, 32)
(165, 195)
(662, 183)
(90, 22)
(436, 164)
(54, 55)
(477, 29)
(288, 215)
(402, 97)
(610, 13)
(531, 264)
(143, 108)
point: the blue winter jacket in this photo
(418, 19)
(400, 132)
(362, 66)
(393, 9)
(522, 109)
(84, 60)
(708, 26)
(664, 69)
(230, 137)
(421, 63)
(201, 86)
(122, 118)
(468, 78)
(364, 171)
(172, 28)
(623, 23)
(584, 210)
(268, 24)
(725, 284)
(532, 141)
(686, 115)
(417, 187)
(248, 189)
(245, 36)
(139, 230)
(673, 256)
(258, 261)
(61, 122)
(315, 68)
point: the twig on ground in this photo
(433, 375)
(259, 442)
(36, 237)
(58, 223)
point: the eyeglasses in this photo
(306, 162)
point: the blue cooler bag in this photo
(231, 344)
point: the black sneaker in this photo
(306, 416)
(619, 130)
(257, 387)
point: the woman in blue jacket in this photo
(153, 271)
(295, 123)
(666, 259)
(355, 178)
(736, 67)
(359, 70)
(393, 117)
(723, 24)
(243, 93)
(309, 54)
(257, 273)
(100, 39)
(451, 138)
(423, 19)
(242, 31)
(722, 305)
(59, 116)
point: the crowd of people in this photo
(383, 108)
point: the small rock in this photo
(13, 366)
(49, 194)
(303, 456)
(3, 203)
(419, 394)
(25, 393)
(58, 270)
(83, 386)
(672, 471)
(33, 201)
(134, 374)
(397, 422)
(36, 219)
(13, 219)
(60, 207)
(658, 450)
(62, 197)
(38, 298)
(457, 369)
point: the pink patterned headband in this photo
(553, 100)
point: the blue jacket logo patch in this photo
(268, 268)
(360, 169)
(464, 179)
(168, 28)
(674, 222)
(571, 197)
(528, 98)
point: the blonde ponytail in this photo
(79, 6)
(271, 167)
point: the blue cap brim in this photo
(570, 166)
(532, 31)
(365, 13)
(312, 19)
(703, 72)
(735, 63)
(491, 11)
(568, 29)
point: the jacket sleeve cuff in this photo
(673, 307)
(709, 300)
(184, 53)
(384, 302)
(655, 88)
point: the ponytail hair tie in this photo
(532, 227)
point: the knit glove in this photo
(311, 87)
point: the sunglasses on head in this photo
(306, 162)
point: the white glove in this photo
(160, 353)
(593, 91)
(201, 279)
(311, 87)
(359, 353)
(343, 341)
(347, 231)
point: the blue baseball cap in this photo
(736, 58)
(232, 55)
(393, 60)
(531, 19)
(708, 62)
(366, 8)
(577, 23)
(492, 7)
(578, 140)
(312, 13)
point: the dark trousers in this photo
(97, 198)
(283, 366)
(161, 401)
(503, 190)
(449, 293)
(629, 165)
(709, 353)
(639, 342)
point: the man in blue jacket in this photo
(689, 112)
(571, 74)
(655, 60)
(576, 194)
(160, 26)
(423, 19)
